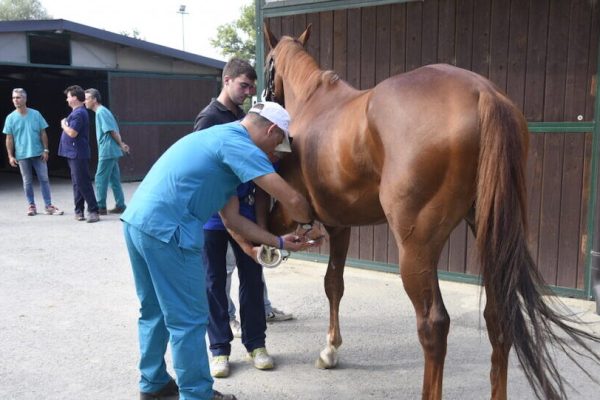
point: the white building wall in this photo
(13, 48)
(93, 54)
(90, 53)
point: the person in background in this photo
(110, 148)
(164, 237)
(75, 147)
(27, 147)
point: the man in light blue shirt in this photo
(27, 147)
(194, 178)
(110, 148)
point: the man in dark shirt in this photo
(238, 84)
(75, 147)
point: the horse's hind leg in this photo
(421, 231)
(339, 240)
(500, 348)
(419, 276)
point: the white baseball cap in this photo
(277, 115)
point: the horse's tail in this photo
(509, 273)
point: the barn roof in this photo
(62, 25)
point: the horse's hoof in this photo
(328, 358)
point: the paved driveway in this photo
(68, 322)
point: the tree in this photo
(16, 10)
(238, 38)
(135, 33)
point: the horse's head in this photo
(274, 81)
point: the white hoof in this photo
(328, 358)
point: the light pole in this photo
(182, 12)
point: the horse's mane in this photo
(300, 69)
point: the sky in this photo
(158, 21)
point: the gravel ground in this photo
(68, 330)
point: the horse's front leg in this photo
(339, 240)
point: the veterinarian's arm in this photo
(294, 202)
(245, 230)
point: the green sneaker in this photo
(219, 367)
(262, 359)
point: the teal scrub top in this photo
(26, 132)
(106, 123)
(192, 180)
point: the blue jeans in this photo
(82, 185)
(252, 312)
(108, 173)
(27, 165)
(170, 284)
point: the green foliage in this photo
(16, 10)
(238, 38)
(135, 33)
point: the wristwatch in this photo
(46, 151)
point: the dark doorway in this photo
(45, 87)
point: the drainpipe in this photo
(595, 251)
(596, 275)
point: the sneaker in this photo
(53, 210)
(169, 392)
(79, 216)
(31, 211)
(93, 217)
(262, 359)
(221, 396)
(236, 328)
(102, 211)
(219, 367)
(277, 315)
(117, 210)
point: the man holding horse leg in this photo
(238, 84)
(195, 177)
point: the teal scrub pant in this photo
(170, 284)
(108, 173)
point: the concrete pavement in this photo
(68, 310)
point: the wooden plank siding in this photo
(155, 125)
(542, 53)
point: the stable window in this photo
(49, 48)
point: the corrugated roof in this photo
(69, 26)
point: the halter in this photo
(269, 91)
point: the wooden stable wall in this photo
(167, 113)
(543, 53)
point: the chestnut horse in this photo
(422, 150)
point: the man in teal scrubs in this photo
(193, 179)
(27, 147)
(110, 148)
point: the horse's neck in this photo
(296, 97)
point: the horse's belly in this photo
(349, 208)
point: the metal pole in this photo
(182, 33)
(182, 12)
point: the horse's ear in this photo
(271, 39)
(305, 35)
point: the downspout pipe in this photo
(595, 251)
(594, 273)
